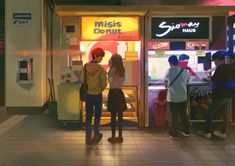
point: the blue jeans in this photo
(93, 103)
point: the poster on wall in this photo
(200, 99)
(110, 28)
(181, 28)
(65, 75)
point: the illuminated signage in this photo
(159, 45)
(22, 18)
(110, 28)
(180, 28)
(192, 45)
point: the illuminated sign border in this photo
(182, 39)
(139, 26)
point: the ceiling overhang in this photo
(191, 10)
(84, 10)
(100, 10)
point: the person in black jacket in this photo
(223, 82)
(231, 60)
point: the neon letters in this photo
(107, 27)
(189, 27)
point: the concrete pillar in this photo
(25, 40)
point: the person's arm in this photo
(82, 77)
(208, 79)
(191, 72)
(166, 78)
(103, 79)
(210, 70)
(219, 74)
(110, 76)
(82, 74)
(187, 75)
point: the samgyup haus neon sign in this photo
(180, 28)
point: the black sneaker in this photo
(89, 142)
(173, 136)
(97, 138)
(112, 140)
(119, 139)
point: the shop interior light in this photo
(23, 52)
(232, 13)
(82, 48)
(217, 2)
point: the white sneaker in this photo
(173, 136)
(185, 133)
(204, 134)
(220, 134)
(47, 111)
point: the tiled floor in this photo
(34, 140)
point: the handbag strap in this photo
(85, 74)
(176, 77)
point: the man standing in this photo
(231, 60)
(223, 83)
(183, 62)
(96, 78)
(176, 80)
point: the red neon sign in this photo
(191, 45)
(159, 45)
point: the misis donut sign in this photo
(180, 28)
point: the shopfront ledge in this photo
(24, 110)
(141, 10)
(81, 10)
(190, 10)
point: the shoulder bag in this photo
(162, 94)
(84, 87)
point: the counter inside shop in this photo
(199, 98)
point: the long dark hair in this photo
(116, 61)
